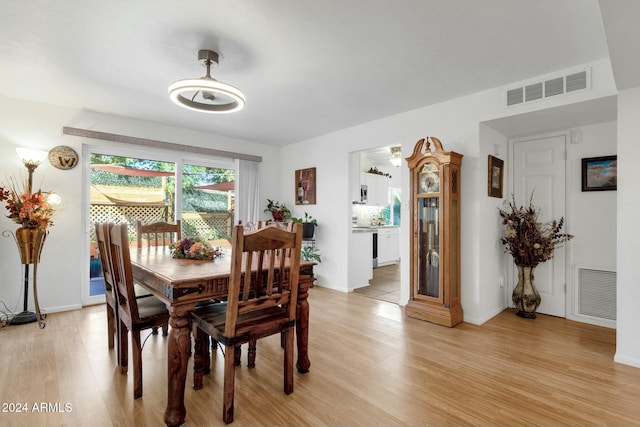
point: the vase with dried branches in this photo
(530, 242)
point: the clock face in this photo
(429, 179)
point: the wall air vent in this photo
(577, 81)
(597, 293)
(533, 92)
(514, 96)
(554, 86)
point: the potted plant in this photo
(530, 243)
(309, 225)
(310, 253)
(279, 211)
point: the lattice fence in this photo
(193, 223)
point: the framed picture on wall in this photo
(495, 178)
(305, 186)
(600, 173)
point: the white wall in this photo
(63, 271)
(591, 215)
(628, 231)
(493, 262)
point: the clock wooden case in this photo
(435, 234)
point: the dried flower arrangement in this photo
(29, 210)
(193, 248)
(527, 240)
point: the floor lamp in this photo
(31, 159)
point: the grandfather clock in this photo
(435, 234)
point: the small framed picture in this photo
(495, 178)
(305, 180)
(600, 173)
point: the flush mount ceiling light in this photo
(396, 153)
(206, 94)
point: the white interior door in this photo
(539, 166)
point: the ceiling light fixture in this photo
(206, 94)
(396, 153)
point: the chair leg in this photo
(136, 350)
(154, 330)
(288, 361)
(229, 383)
(165, 329)
(251, 355)
(123, 339)
(200, 357)
(237, 354)
(111, 328)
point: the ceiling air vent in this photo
(560, 85)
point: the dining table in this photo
(181, 284)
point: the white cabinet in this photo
(388, 245)
(378, 189)
(360, 259)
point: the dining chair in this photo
(159, 233)
(113, 320)
(136, 314)
(253, 312)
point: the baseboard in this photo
(631, 361)
(480, 320)
(61, 308)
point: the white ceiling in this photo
(307, 67)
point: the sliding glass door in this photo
(125, 187)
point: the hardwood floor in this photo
(370, 366)
(385, 284)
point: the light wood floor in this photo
(385, 284)
(370, 366)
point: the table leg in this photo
(302, 327)
(177, 360)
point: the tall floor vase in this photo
(525, 295)
(30, 242)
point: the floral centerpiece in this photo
(29, 210)
(530, 243)
(193, 248)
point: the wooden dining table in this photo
(181, 283)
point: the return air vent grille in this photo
(550, 87)
(554, 87)
(514, 96)
(577, 81)
(597, 293)
(533, 92)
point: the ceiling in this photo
(307, 68)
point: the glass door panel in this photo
(429, 247)
(125, 190)
(207, 203)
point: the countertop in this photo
(369, 228)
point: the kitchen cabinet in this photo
(388, 245)
(378, 188)
(360, 258)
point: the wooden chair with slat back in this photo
(250, 314)
(113, 320)
(136, 314)
(159, 233)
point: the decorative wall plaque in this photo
(63, 157)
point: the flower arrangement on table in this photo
(528, 241)
(194, 248)
(29, 210)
